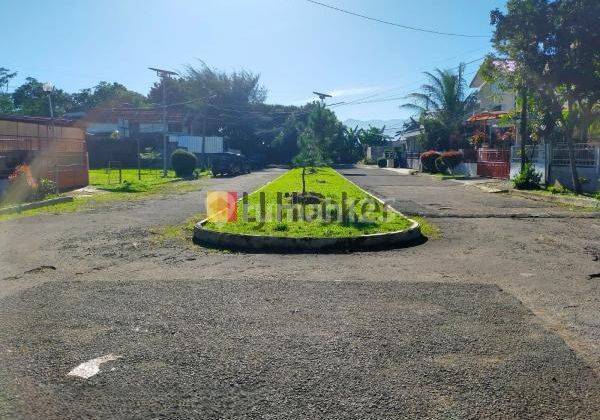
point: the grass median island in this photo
(330, 186)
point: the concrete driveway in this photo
(497, 318)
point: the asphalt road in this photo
(498, 318)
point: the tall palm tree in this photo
(443, 98)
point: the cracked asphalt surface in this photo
(497, 318)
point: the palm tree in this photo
(444, 98)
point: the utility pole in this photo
(164, 74)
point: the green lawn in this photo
(129, 189)
(109, 180)
(550, 190)
(324, 181)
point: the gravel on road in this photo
(499, 315)
(280, 349)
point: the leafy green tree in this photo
(285, 145)
(106, 95)
(443, 103)
(434, 136)
(347, 147)
(516, 36)
(373, 136)
(315, 142)
(30, 99)
(218, 103)
(310, 154)
(554, 45)
(6, 104)
(323, 125)
(5, 77)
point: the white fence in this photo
(198, 144)
(536, 154)
(552, 161)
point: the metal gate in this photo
(493, 163)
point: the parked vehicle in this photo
(228, 164)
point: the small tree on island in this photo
(310, 155)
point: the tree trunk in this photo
(303, 181)
(523, 127)
(585, 117)
(573, 164)
(568, 138)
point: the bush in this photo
(448, 161)
(369, 161)
(382, 162)
(428, 160)
(184, 163)
(45, 188)
(527, 179)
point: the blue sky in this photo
(296, 46)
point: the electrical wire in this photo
(412, 28)
(403, 87)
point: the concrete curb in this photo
(403, 171)
(256, 243)
(491, 190)
(260, 243)
(37, 204)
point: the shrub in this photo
(382, 162)
(448, 161)
(45, 188)
(369, 161)
(527, 179)
(183, 163)
(428, 160)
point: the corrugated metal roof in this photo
(37, 120)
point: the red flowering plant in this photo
(507, 135)
(477, 138)
(22, 185)
(448, 161)
(428, 160)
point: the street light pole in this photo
(164, 124)
(164, 74)
(322, 96)
(47, 87)
(51, 107)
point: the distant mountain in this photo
(391, 126)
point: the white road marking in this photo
(92, 367)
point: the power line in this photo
(397, 97)
(371, 98)
(412, 28)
